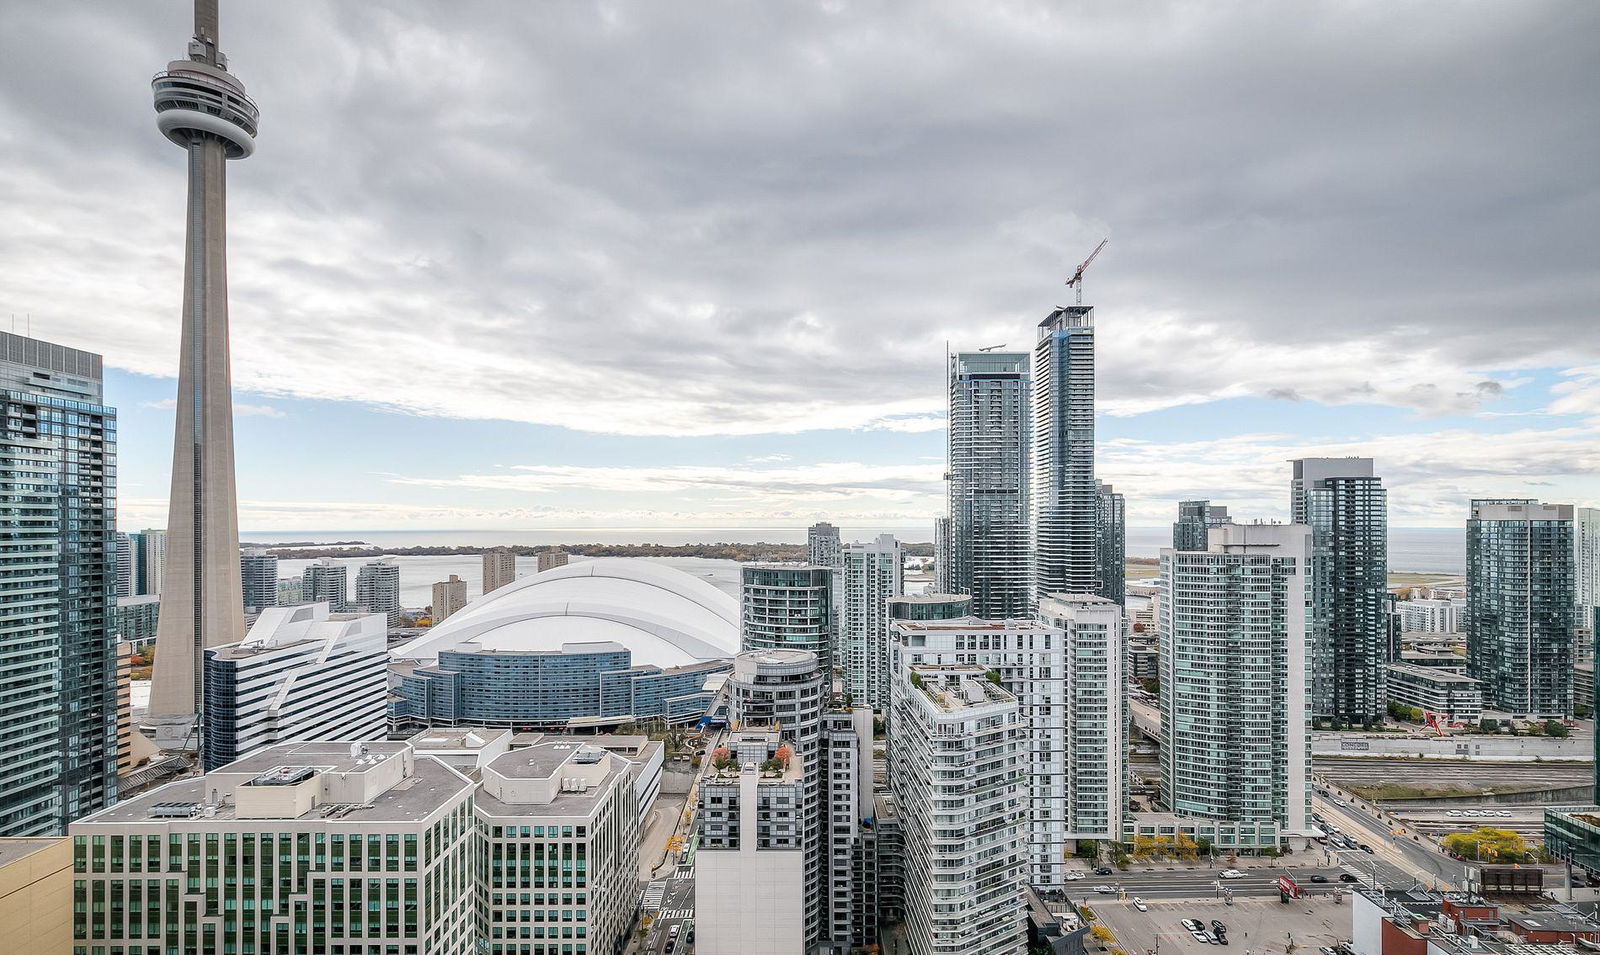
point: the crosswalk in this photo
(652, 895)
(667, 914)
(684, 872)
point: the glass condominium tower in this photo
(988, 549)
(1346, 508)
(1520, 620)
(1066, 497)
(58, 574)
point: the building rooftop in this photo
(1544, 920)
(954, 689)
(965, 624)
(21, 847)
(1433, 674)
(559, 777)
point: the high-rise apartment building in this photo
(499, 568)
(291, 590)
(125, 565)
(989, 550)
(258, 576)
(203, 108)
(941, 554)
(1346, 508)
(929, 607)
(560, 827)
(378, 588)
(1520, 598)
(326, 581)
(151, 547)
(961, 795)
(1431, 616)
(299, 847)
(872, 573)
(788, 607)
(448, 597)
(1112, 545)
(1066, 501)
(1095, 648)
(58, 572)
(1195, 520)
(1235, 708)
(551, 559)
(137, 619)
(847, 810)
(822, 545)
(301, 674)
(1586, 568)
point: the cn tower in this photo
(203, 108)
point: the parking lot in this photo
(1255, 926)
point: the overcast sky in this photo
(652, 264)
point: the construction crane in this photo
(993, 347)
(1076, 282)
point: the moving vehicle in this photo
(1364, 847)
(1347, 877)
(1138, 903)
(1319, 878)
(1232, 874)
(1103, 870)
(1105, 889)
(1074, 876)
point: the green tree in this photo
(1557, 729)
(1488, 844)
(1488, 725)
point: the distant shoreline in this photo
(759, 551)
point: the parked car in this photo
(1325, 950)
(1201, 938)
(1218, 927)
(1138, 903)
(1191, 925)
(1232, 874)
(1456, 813)
(1212, 939)
(1319, 878)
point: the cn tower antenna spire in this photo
(206, 47)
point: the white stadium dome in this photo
(666, 617)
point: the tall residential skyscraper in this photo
(960, 791)
(1346, 508)
(1235, 713)
(788, 607)
(448, 597)
(326, 581)
(872, 574)
(1066, 502)
(378, 588)
(1519, 621)
(1195, 520)
(499, 567)
(1586, 566)
(989, 548)
(822, 545)
(258, 575)
(941, 554)
(151, 544)
(203, 108)
(125, 565)
(1095, 648)
(551, 559)
(1111, 555)
(58, 584)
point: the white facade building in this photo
(378, 589)
(1586, 543)
(962, 802)
(1030, 659)
(1235, 709)
(1096, 653)
(871, 574)
(302, 673)
(1431, 616)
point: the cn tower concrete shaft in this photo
(202, 107)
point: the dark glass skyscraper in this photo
(1195, 520)
(1112, 544)
(988, 547)
(58, 573)
(1346, 508)
(1520, 596)
(1065, 495)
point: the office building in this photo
(325, 582)
(258, 576)
(291, 590)
(499, 568)
(871, 575)
(1029, 659)
(989, 551)
(203, 108)
(1235, 713)
(36, 895)
(58, 569)
(1195, 520)
(378, 589)
(1346, 508)
(137, 619)
(929, 606)
(560, 828)
(1586, 568)
(750, 874)
(448, 597)
(787, 691)
(1112, 549)
(302, 673)
(1431, 616)
(654, 637)
(1436, 690)
(788, 607)
(298, 847)
(551, 559)
(125, 565)
(1096, 653)
(1066, 501)
(1520, 598)
(961, 796)
(150, 549)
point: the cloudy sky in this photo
(575, 265)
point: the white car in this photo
(1138, 903)
(1201, 938)
(1454, 813)
(1074, 876)
(1232, 874)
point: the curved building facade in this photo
(592, 643)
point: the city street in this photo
(1199, 883)
(1405, 859)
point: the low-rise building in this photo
(1572, 833)
(36, 895)
(1436, 690)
